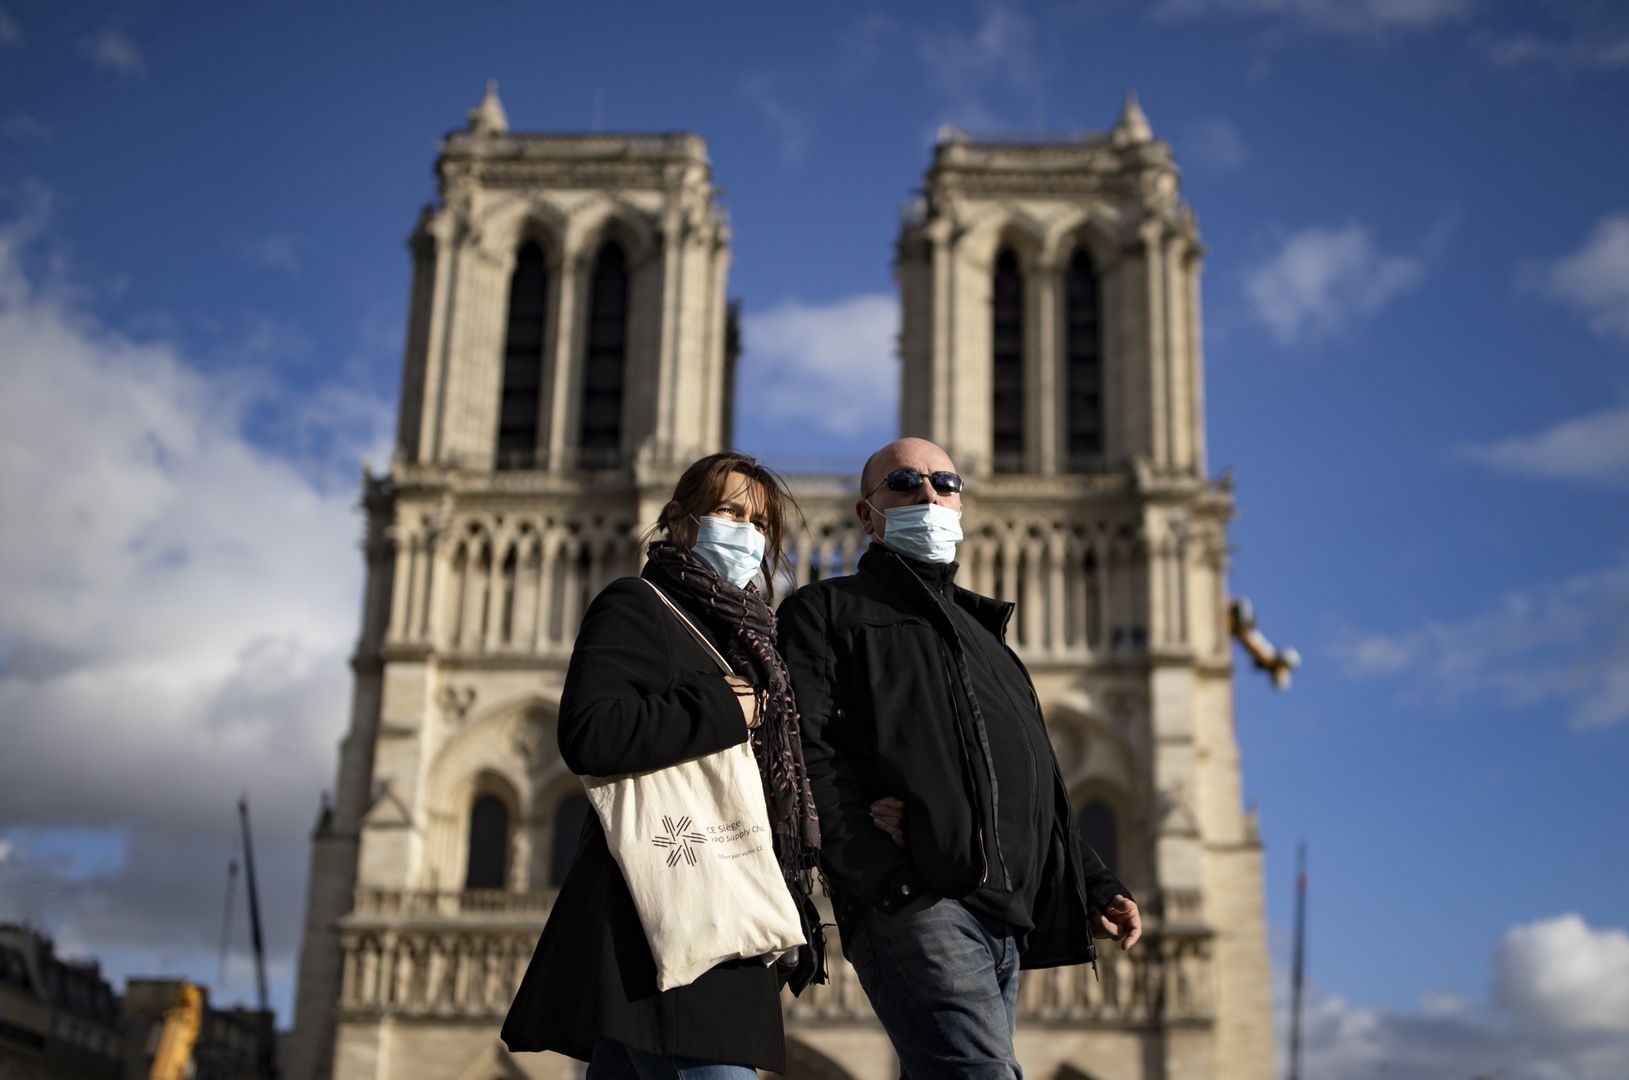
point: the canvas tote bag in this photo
(693, 843)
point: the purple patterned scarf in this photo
(744, 627)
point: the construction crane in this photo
(184, 1018)
(1278, 663)
(268, 1061)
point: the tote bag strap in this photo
(701, 639)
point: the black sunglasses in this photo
(945, 483)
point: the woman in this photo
(642, 694)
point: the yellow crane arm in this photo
(183, 1020)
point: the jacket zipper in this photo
(984, 855)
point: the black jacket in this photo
(640, 694)
(885, 698)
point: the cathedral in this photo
(570, 348)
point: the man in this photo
(947, 836)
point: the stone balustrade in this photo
(1090, 581)
(450, 954)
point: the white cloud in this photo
(1595, 278)
(1216, 144)
(180, 603)
(1321, 282)
(996, 57)
(10, 32)
(113, 51)
(790, 127)
(1357, 17)
(1560, 975)
(1001, 46)
(1590, 449)
(274, 252)
(1559, 1010)
(1561, 643)
(830, 366)
(861, 44)
(24, 126)
(1582, 53)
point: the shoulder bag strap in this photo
(701, 639)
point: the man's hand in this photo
(1122, 921)
(888, 814)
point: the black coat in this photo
(640, 694)
(885, 698)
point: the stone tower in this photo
(568, 350)
(1051, 343)
(567, 339)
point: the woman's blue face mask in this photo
(733, 549)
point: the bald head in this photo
(907, 453)
(919, 454)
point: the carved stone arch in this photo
(1014, 230)
(804, 1062)
(526, 537)
(485, 783)
(1106, 768)
(542, 224)
(609, 218)
(554, 539)
(484, 756)
(1092, 227)
(473, 532)
(1088, 743)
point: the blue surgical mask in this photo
(734, 549)
(925, 531)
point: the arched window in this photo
(521, 404)
(488, 844)
(1084, 423)
(569, 818)
(606, 362)
(1007, 364)
(1101, 831)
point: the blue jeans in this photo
(619, 1061)
(943, 980)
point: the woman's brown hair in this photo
(703, 486)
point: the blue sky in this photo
(1417, 344)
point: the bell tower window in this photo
(1007, 364)
(606, 362)
(521, 403)
(1084, 404)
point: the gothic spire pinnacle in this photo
(488, 118)
(1132, 127)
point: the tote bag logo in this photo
(680, 838)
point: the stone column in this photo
(568, 357)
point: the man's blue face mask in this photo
(927, 532)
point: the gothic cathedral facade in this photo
(569, 349)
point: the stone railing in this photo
(1089, 581)
(442, 954)
(1095, 577)
(443, 972)
(1129, 989)
(385, 905)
